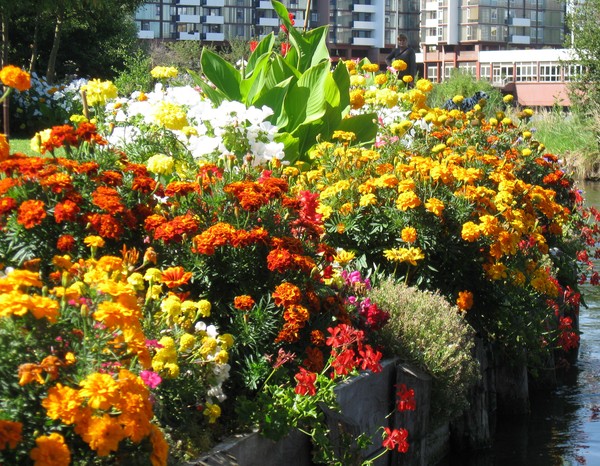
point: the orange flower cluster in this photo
(253, 195)
(15, 77)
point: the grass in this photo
(21, 145)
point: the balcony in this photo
(431, 23)
(262, 5)
(188, 2)
(212, 19)
(213, 36)
(361, 8)
(431, 40)
(145, 34)
(370, 41)
(431, 6)
(369, 25)
(213, 3)
(194, 19)
(189, 36)
(519, 22)
(514, 39)
(273, 22)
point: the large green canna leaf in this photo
(305, 101)
(214, 95)
(364, 126)
(265, 46)
(222, 74)
(274, 99)
(342, 79)
(255, 83)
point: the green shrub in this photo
(465, 84)
(136, 75)
(426, 330)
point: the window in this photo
(484, 71)
(502, 74)
(526, 72)
(549, 72)
(571, 72)
(448, 68)
(467, 67)
(432, 73)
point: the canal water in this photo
(563, 427)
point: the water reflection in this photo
(564, 425)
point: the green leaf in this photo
(222, 74)
(305, 101)
(342, 79)
(290, 144)
(274, 99)
(214, 95)
(253, 85)
(364, 126)
(265, 46)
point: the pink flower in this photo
(151, 379)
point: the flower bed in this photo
(187, 263)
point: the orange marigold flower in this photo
(407, 200)
(65, 243)
(13, 76)
(315, 361)
(287, 294)
(464, 300)
(470, 232)
(50, 365)
(243, 302)
(30, 372)
(66, 211)
(279, 260)
(409, 234)
(160, 447)
(99, 390)
(4, 147)
(103, 434)
(175, 276)
(435, 206)
(10, 433)
(7, 205)
(31, 213)
(220, 234)
(50, 450)
(107, 199)
(106, 225)
(296, 313)
(62, 403)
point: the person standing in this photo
(405, 53)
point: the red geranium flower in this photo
(306, 383)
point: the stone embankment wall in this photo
(366, 402)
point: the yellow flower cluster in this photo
(98, 92)
(164, 72)
(170, 115)
(160, 164)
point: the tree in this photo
(584, 39)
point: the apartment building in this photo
(357, 28)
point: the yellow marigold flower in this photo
(457, 99)
(438, 148)
(99, 391)
(50, 450)
(167, 342)
(204, 307)
(406, 185)
(170, 115)
(435, 206)
(153, 275)
(163, 72)
(407, 79)
(325, 211)
(506, 121)
(212, 412)
(407, 200)
(381, 79)
(424, 85)
(526, 134)
(343, 257)
(172, 370)
(367, 200)
(39, 139)
(370, 67)
(410, 255)
(526, 152)
(15, 77)
(94, 241)
(226, 340)
(357, 98)
(222, 357)
(98, 92)
(399, 65)
(470, 232)
(350, 64)
(409, 234)
(464, 300)
(343, 136)
(493, 122)
(291, 171)
(357, 80)
(508, 98)
(189, 131)
(186, 342)
(161, 164)
(496, 271)
(136, 280)
(209, 345)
